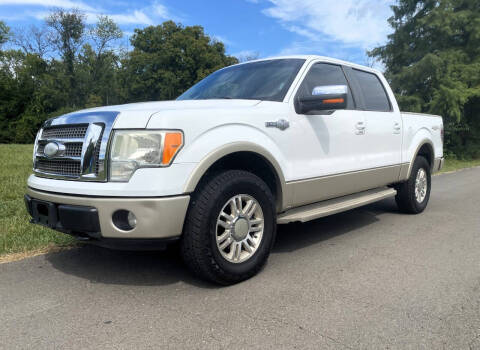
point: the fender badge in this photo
(281, 124)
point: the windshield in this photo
(263, 80)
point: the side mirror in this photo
(323, 98)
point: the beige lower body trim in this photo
(323, 188)
(438, 164)
(406, 168)
(156, 217)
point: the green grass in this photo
(455, 164)
(17, 235)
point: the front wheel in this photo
(413, 195)
(230, 227)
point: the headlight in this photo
(134, 149)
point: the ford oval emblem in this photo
(51, 149)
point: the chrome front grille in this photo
(65, 132)
(97, 154)
(71, 149)
(59, 167)
(74, 146)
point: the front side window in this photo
(263, 80)
(374, 95)
(324, 74)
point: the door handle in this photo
(360, 126)
(396, 128)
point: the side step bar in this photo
(333, 206)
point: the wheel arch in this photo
(425, 149)
(243, 156)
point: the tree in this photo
(167, 59)
(68, 34)
(86, 68)
(432, 60)
(97, 77)
(102, 60)
(104, 33)
(30, 89)
(34, 40)
(4, 33)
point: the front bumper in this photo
(91, 217)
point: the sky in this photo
(342, 29)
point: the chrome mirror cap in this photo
(330, 90)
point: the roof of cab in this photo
(321, 58)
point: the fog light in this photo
(132, 219)
(124, 220)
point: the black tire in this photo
(198, 245)
(405, 198)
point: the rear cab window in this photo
(372, 91)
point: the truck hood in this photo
(137, 115)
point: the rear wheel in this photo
(230, 227)
(413, 195)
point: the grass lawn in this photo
(455, 164)
(17, 235)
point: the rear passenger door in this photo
(383, 126)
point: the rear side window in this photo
(374, 94)
(322, 74)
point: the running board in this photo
(333, 206)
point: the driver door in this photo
(333, 141)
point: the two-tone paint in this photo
(314, 157)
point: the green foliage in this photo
(104, 33)
(4, 33)
(31, 89)
(167, 59)
(432, 61)
(87, 70)
(68, 33)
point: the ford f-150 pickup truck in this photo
(253, 145)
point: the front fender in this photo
(220, 141)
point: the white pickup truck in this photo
(251, 146)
